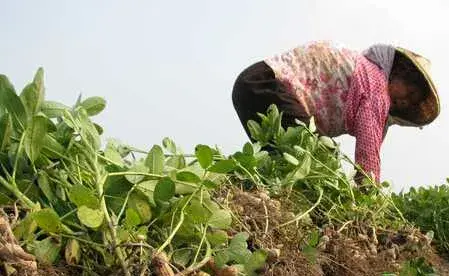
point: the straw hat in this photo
(430, 107)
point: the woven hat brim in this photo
(430, 108)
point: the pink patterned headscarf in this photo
(382, 55)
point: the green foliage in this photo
(427, 208)
(309, 164)
(74, 190)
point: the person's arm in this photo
(368, 131)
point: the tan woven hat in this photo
(430, 107)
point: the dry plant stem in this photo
(266, 218)
(16, 216)
(344, 226)
(161, 265)
(11, 252)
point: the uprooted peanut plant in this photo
(71, 205)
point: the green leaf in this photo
(211, 205)
(53, 109)
(147, 187)
(35, 134)
(312, 125)
(183, 189)
(204, 155)
(223, 166)
(255, 262)
(5, 131)
(92, 218)
(48, 220)
(51, 126)
(46, 188)
(328, 142)
(72, 252)
(132, 218)
(239, 240)
(139, 168)
(93, 105)
(221, 258)
(38, 79)
(311, 253)
(29, 97)
(33, 94)
(182, 256)
(197, 213)
(238, 248)
(217, 237)
(98, 128)
(314, 238)
(47, 250)
(29, 189)
(169, 145)
(248, 149)
(221, 219)
(187, 176)
(88, 131)
(80, 195)
(164, 190)
(51, 147)
(240, 255)
(26, 228)
(255, 130)
(12, 103)
(140, 203)
(61, 193)
(290, 159)
(245, 160)
(111, 153)
(177, 162)
(306, 164)
(304, 170)
(209, 184)
(78, 100)
(155, 160)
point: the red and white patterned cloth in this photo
(344, 91)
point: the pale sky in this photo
(166, 68)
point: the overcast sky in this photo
(166, 68)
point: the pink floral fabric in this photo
(367, 105)
(345, 92)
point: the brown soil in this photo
(261, 216)
(352, 251)
(365, 255)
